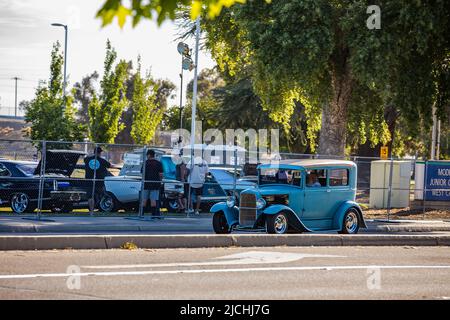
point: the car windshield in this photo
(132, 169)
(27, 169)
(279, 176)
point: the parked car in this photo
(122, 191)
(298, 195)
(20, 182)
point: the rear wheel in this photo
(277, 223)
(108, 203)
(21, 203)
(220, 223)
(171, 205)
(350, 225)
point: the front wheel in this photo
(220, 224)
(277, 223)
(350, 225)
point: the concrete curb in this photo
(413, 228)
(211, 241)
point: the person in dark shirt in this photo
(152, 184)
(96, 168)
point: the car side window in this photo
(4, 172)
(316, 178)
(338, 177)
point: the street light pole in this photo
(65, 55)
(186, 64)
(181, 100)
(194, 93)
(15, 101)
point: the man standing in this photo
(95, 168)
(196, 179)
(152, 184)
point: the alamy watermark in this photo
(73, 282)
(231, 146)
(374, 20)
(374, 278)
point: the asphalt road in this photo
(228, 273)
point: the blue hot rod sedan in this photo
(299, 195)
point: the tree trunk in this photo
(333, 132)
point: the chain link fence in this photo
(48, 177)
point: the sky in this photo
(26, 39)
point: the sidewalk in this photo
(101, 224)
(173, 224)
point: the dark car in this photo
(20, 183)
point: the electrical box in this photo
(379, 184)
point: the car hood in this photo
(61, 162)
(271, 190)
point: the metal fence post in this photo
(424, 189)
(235, 173)
(42, 178)
(94, 180)
(390, 188)
(141, 200)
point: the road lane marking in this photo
(196, 271)
(248, 257)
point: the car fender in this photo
(292, 217)
(340, 212)
(231, 214)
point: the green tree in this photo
(165, 9)
(146, 114)
(52, 116)
(322, 54)
(106, 109)
(83, 93)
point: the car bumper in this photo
(68, 196)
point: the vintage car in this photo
(20, 183)
(298, 195)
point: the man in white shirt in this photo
(196, 179)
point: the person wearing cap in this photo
(152, 184)
(96, 168)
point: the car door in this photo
(317, 205)
(339, 185)
(125, 188)
(5, 184)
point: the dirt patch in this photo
(407, 214)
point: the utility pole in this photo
(15, 103)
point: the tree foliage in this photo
(146, 114)
(106, 109)
(52, 116)
(322, 53)
(83, 93)
(164, 9)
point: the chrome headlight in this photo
(260, 203)
(230, 202)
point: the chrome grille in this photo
(247, 210)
